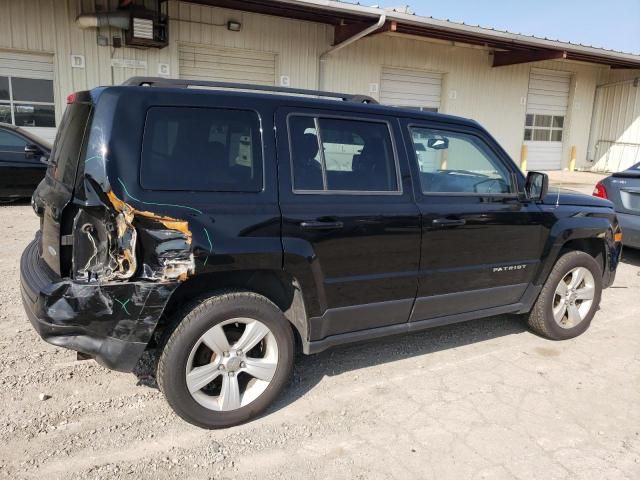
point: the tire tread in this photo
(537, 318)
(182, 320)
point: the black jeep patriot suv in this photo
(224, 225)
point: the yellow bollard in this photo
(523, 157)
(572, 161)
(443, 160)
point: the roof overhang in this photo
(349, 18)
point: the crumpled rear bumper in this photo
(112, 322)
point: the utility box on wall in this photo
(147, 29)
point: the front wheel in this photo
(569, 298)
(227, 360)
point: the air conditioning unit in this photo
(143, 27)
(147, 29)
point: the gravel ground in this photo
(483, 399)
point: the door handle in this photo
(446, 222)
(319, 225)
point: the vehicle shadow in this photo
(310, 370)
(631, 256)
(14, 202)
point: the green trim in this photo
(210, 245)
(153, 203)
(123, 305)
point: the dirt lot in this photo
(484, 399)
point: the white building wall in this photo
(495, 97)
(471, 87)
(615, 131)
(49, 26)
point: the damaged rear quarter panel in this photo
(165, 236)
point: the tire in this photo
(542, 320)
(223, 402)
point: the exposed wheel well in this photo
(276, 285)
(593, 246)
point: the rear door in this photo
(351, 229)
(56, 191)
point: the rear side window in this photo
(201, 149)
(68, 144)
(342, 155)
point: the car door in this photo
(18, 173)
(350, 226)
(482, 241)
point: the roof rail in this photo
(175, 83)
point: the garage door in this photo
(26, 92)
(547, 104)
(403, 87)
(200, 62)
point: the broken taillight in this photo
(104, 245)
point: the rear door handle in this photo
(446, 222)
(319, 225)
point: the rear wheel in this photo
(569, 298)
(227, 360)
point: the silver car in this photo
(623, 189)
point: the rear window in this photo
(201, 149)
(68, 144)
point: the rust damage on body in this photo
(119, 241)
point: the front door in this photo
(481, 242)
(351, 230)
(19, 175)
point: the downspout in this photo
(346, 43)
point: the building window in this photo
(543, 128)
(27, 102)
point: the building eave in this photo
(340, 13)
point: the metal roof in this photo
(340, 14)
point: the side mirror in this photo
(537, 185)
(32, 151)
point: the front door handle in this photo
(320, 225)
(446, 222)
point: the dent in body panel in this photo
(106, 241)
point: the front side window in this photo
(201, 149)
(341, 155)
(453, 162)
(10, 142)
(27, 102)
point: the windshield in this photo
(68, 143)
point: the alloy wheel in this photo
(232, 364)
(573, 297)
